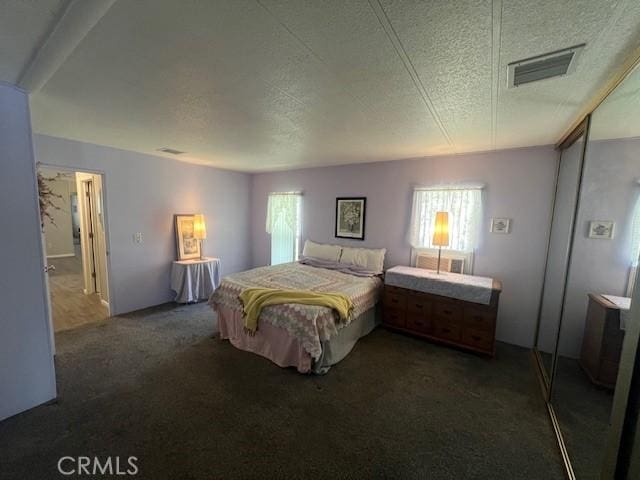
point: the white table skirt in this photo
(195, 280)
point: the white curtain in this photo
(284, 224)
(635, 234)
(465, 209)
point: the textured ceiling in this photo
(24, 26)
(273, 84)
(619, 115)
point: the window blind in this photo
(464, 207)
(284, 224)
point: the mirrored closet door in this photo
(564, 210)
(602, 270)
(594, 246)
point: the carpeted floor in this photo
(157, 386)
(583, 410)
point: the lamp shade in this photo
(199, 227)
(441, 232)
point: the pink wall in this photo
(519, 185)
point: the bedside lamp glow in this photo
(441, 233)
(199, 230)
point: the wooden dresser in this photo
(450, 321)
(602, 341)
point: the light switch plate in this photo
(137, 237)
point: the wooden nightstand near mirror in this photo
(414, 307)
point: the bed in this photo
(306, 337)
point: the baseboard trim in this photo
(63, 255)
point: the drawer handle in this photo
(476, 338)
(419, 305)
(394, 300)
(446, 330)
(478, 317)
(418, 322)
(447, 312)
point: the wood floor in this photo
(70, 306)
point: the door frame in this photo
(107, 240)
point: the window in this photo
(635, 234)
(634, 252)
(284, 223)
(464, 207)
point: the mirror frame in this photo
(546, 379)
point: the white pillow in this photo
(369, 258)
(323, 251)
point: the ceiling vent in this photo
(541, 67)
(172, 151)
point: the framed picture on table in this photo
(186, 244)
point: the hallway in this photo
(70, 306)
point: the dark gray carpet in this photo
(157, 386)
(583, 410)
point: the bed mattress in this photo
(310, 325)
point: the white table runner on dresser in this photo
(454, 285)
(624, 304)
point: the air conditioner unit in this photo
(452, 264)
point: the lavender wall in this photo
(27, 376)
(519, 185)
(609, 192)
(143, 192)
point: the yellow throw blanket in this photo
(255, 299)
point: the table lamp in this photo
(441, 233)
(199, 230)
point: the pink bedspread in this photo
(308, 325)
(269, 341)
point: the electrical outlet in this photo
(137, 237)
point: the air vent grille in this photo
(172, 151)
(542, 67)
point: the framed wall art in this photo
(350, 217)
(601, 229)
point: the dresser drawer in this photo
(418, 304)
(448, 311)
(418, 322)
(481, 339)
(392, 289)
(394, 300)
(446, 329)
(394, 317)
(477, 318)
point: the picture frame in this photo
(187, 246)
(350, 217)
(500, 225)
(601, 229)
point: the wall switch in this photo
(137, 237)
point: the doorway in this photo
(74, 240)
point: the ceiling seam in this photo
(609, 27)
(394, 38)
(312, 53)
(496, 44)
(43, 39)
